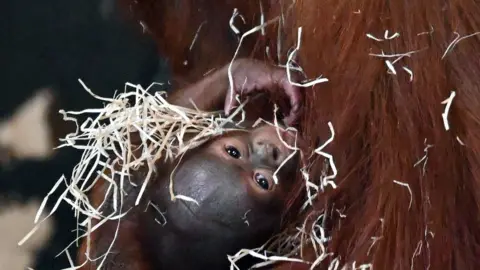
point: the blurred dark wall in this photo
(55, 42)
(52, 43)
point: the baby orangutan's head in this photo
(231, 177)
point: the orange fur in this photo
(381, 120)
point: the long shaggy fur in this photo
(189, 30)
(383, 122)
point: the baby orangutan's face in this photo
(232, 179)
(254, 156)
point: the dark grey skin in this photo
(231, 177)
(239, 205)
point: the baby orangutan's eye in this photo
(233, 152)
(262, 181)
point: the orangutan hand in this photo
(252, 76)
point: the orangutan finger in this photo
(295, 97)
(230, 102)
(291, 119)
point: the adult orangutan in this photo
(408, 187)
(231, 178)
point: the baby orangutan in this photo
(231, 178)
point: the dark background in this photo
(52, 43)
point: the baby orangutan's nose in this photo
(268, 152)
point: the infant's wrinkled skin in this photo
(249, 77)
(231, 178)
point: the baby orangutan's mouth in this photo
(192, 214)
